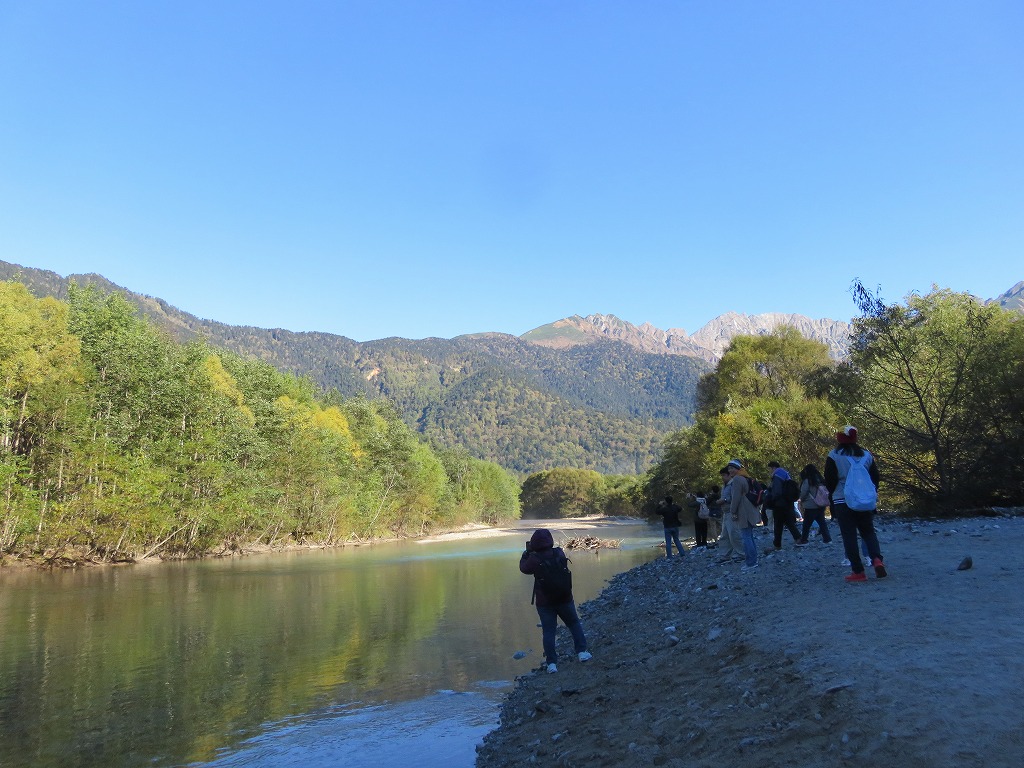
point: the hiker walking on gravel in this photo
(781, 496)
(813, 502)
(552, 594)
(743, 512)
(851, 476)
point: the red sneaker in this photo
(857, 577)
(879, 567)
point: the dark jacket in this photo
(773, 497)
(542, 549)
(670, 514)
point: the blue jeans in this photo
(749, 545)
(549, 616)
(672, 534)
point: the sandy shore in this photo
(698, 664)
(479, 531)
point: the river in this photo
(392, 653)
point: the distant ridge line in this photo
(708, 343)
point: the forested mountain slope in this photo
(602, 406)
(523, 428)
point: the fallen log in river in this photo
(591, 542)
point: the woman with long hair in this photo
(851, 475)
(812, 493)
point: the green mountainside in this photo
(602, 406)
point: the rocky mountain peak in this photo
(708, 343)
(1013, 298)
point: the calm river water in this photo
(396, 653)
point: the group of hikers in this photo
(849, 486)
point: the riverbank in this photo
(480, 531)
(698, 664)
(72, 558)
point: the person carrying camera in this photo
(669, 512)
(552, 591)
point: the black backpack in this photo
(790, 490)
(553, 578)
(755, 494)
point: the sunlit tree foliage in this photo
(118, 442)
(936, 386)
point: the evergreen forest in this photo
(118, 441)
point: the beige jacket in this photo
(739, 504)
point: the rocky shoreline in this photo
(698, 664)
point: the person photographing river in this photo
(669, 512)
(552, 594)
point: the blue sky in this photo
(436, 168)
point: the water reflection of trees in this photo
(173, 663)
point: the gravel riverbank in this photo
(698, 664)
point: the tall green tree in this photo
(781, 365)
(563, 492)
(40, 377)
(39, 359)
(764, 401)
(314, 467)
(477, 490)
(935, 387)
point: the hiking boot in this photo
(879, 567)
(552, 669)
(585, 656)
(802, 543)
(857, 577)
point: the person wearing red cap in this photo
(851, 476)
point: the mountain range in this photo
(591, 392)
(707, 344)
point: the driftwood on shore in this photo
(591, 542)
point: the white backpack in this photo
(859, 492)
(703, 512)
